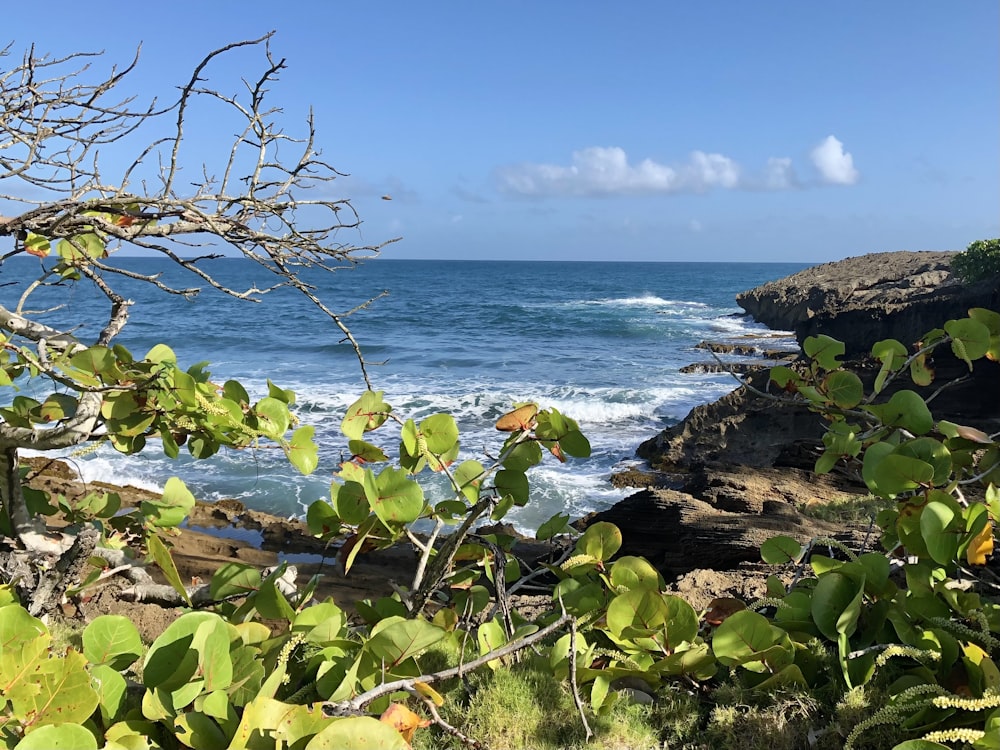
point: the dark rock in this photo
(861, 300)
(678, 533)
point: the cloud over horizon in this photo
(605, 170)
(835, 166)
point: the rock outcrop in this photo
(739, 466)
(861, 300)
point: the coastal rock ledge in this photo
(864, 299)
(740, 468)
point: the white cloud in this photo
(779, 175)
(836, 166)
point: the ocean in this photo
(601, 342)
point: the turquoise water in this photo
(602, 342)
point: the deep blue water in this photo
(602, 342)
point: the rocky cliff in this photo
(736, 468)
(861, 300)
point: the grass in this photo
(526, 707)
(851, 511)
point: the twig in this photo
(574, 687)
(356, 704)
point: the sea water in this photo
(601, 342)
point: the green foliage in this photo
(946, 637)
(980, 260)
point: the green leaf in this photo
(397, 498)
(111, 690)
(350, 502)
(638, 611)
(896, 474)
(302, 451)
(58, 737)
(836, 604)
(56, 407)
(523, 456)
(396, 639)
(557, 524)
(366, 452)
(358, 733)
(905, 409)
(892, 355)
(930, 451)
(575, 444)
(112, 640)
(746, 638)
(37, 245)
(940, 527)
(273, 417)
(469, 477)
(970, 339)
(780, 549)
(844, 389)
(172, 508)
(440, 432)
(285, 396)
(513, 483)
(824, 350)
(635, 573)
(161, 556)
(601, 541)
(366, 414)
(160, 354)
(991, 320)
(234, 579)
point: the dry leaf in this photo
(522, 418)
(403, 720)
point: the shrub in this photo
(980, 260)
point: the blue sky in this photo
(715, 131)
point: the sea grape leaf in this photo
(56, 407)
(302, 451)
(836, 604)
(939, 524)
(273, 418)
(991, 320)
(601, 541)
(161, 556)
(440, 432)
(970, 339)
(397, 499)
(824, 350)
(639, 611)
(468, 476)
(366, 414)
(892, 355)
(523, 456)
(748, 639)
(905, 409)
(780, 549)
(557, 524)
(234, 579)
(281, 394)
(65, 694)
(112, 640)
(396, 639)
(896, 474)
(111, 689)
(172, 507)
(513, 483)
(931, 451)
(519, 420)
(921, 372)
(358, 733)
(58, 737)
(844, 388)
(365, 452)
(631, 572)
(350, 502)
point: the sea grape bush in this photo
(980, 260)
(920, 604)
